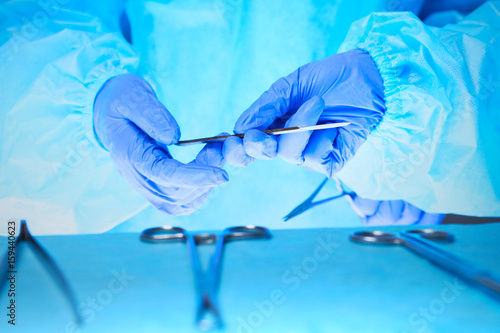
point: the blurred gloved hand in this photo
(343, 87)
(136, 128)
(394, 212)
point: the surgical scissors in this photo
(417, 241)
(14, 254)
(208, 316)
(308, 203)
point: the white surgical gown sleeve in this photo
(52, 170)
(437, 146)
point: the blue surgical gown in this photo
(208, 60)
(437, 145)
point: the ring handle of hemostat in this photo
(431, 234)
(418, 242)
(246, 232)
(229, 234)
(380, 237)
(376, 236)
(174, 234)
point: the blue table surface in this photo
(307, 280)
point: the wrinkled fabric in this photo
(207, 61)
(437, 145)
(441, 19)
(206, 57)
(52, 170)
(393, 212)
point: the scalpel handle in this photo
(276, 131)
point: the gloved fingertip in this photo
(260, 145)
(212, 154)
(201, 175)
(224, 177)
(308, 114)
(243, 124)
(253, 121)
(234, 152)
(169, 136)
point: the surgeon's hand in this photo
(136, 129)
(394, 212)
(343, 87)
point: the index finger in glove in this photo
(155, 164)
(291, 146)
(211, 154)
(140, 105)
(272, 104)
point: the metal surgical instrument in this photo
(417, 241)
(309, 203)
(208, 316)
(14, 253)
(275, 131)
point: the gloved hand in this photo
(343, 87)
(394, 212)
(135, 127)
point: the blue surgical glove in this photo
(343, 87)
(393, 212)
(136, 128)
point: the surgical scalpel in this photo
(208, 316)
(417, 241)
(276, 131)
